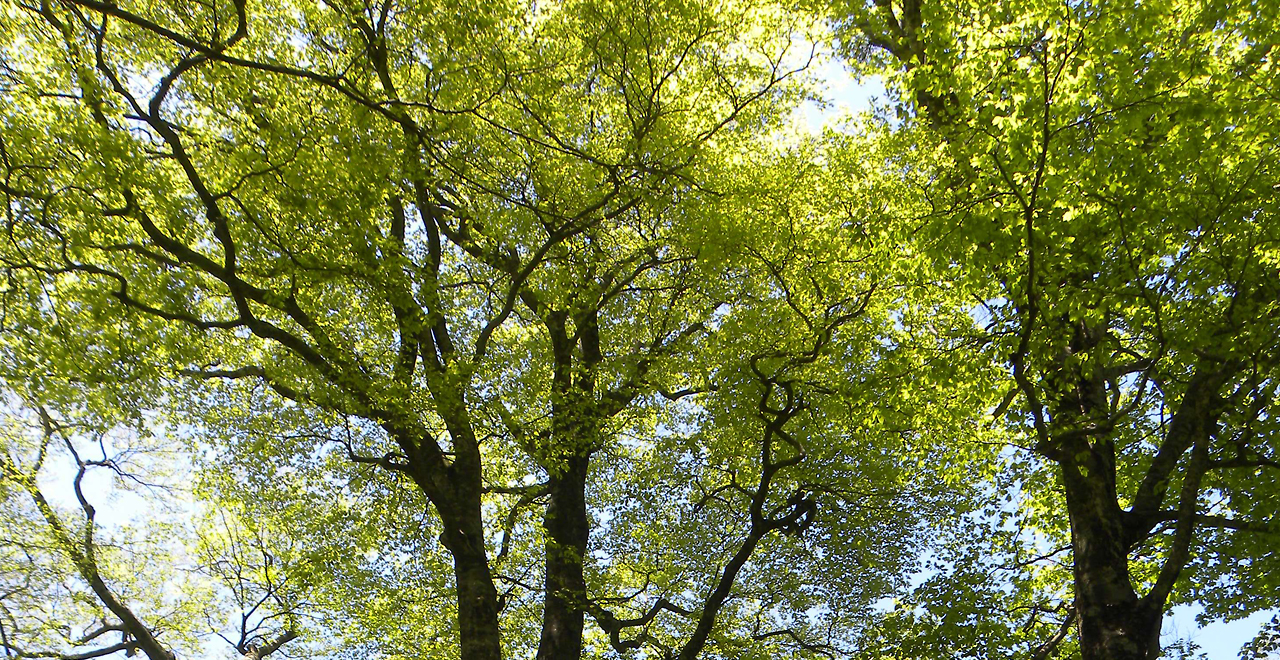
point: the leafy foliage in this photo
(1107, 178)
(535, 329)
(504, 317)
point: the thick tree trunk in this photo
(477, 597)
(567, 532)
(575, 429)
(456, 493)
(1115, 624)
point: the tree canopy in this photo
(1115, 180)
(495, 330)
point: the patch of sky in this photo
(1218, 640)
(718, 315)
(839, 95)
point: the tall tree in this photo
(476, 248)
(1108, 184)
(82, 580)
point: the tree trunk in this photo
(575, 429)
(477, 597)
(456, 493)
(566, 543)
(1115, 624)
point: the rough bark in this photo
(477, 598)
(455, 491)
(575, 432)
(1114, 623)
(567, 532)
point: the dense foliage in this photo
(400, 329)
(1112, 171)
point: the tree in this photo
(542, 271)
(73, 584)
(1108, 185)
